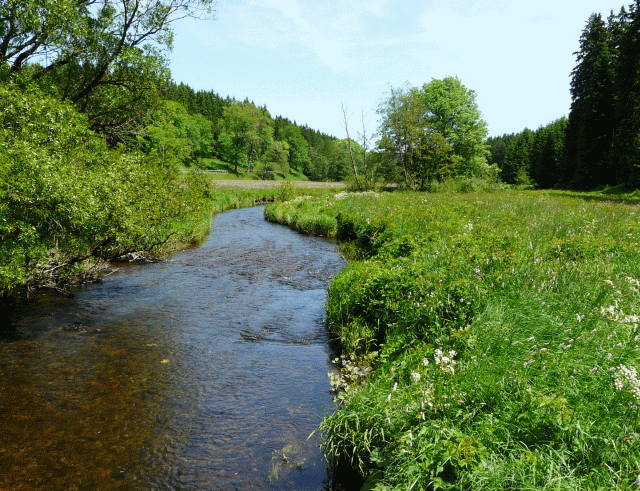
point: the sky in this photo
(304, 59)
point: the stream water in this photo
(204, 372)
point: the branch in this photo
(353, 162)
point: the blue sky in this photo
(304, 58)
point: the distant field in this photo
(259, 183)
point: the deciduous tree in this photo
(105, 56)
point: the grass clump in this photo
(500, 332)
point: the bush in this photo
(66, 198)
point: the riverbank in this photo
(489, 340)
(205, 371)
(70, 203)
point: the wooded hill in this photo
(599, 143)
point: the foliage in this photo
(590, 131)
(598, 145)
(246, 133)
(106, 57)
(176, 138)
(504, 328)
(433, 133)
(67, 201)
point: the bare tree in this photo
(353, 161)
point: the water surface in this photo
(204, 372)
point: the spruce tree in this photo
(626, 145)
(589, 132)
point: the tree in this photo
(278, 156)
(433, 132)
(400, 128)
(247, 133)
(298, 146)
(547, 155)
(452, 112)
(105, 56)
(517, 162)
(626, 141)
(590, 127)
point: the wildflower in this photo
(531, 338)
(425, 362)
(594, 331)
(627, 377)
(580, 317)
(609, 356)
(415, 376)
(423, 416)
(593, 370)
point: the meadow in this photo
(489, 340)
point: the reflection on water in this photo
(205, 372)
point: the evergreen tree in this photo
(626, 143)
(518, 159)
(547, 154)
(589, 132)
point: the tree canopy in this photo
(105, 56)
(433, 132)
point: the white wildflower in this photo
(627, 378)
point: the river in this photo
(207, 371)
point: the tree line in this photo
(202, 126)
(598, 144)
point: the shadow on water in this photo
(204, 372)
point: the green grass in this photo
(532, 298)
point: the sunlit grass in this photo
(533, 299)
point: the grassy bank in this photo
(489, 340)
(69, 202)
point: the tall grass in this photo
(501, 330)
